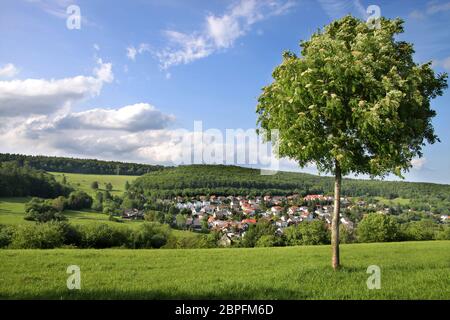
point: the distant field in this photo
(393, 202)
(413, 270)
(83, 181)
(12, 212)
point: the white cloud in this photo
(58, 9)
(339, 8)
(444, 63)
(219, 31)
(96, 47)
(8, 71)
(418, 163)
(432, 8)
(40, 96)
(132, 51)
(136, 117)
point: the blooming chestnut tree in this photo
(354, 101)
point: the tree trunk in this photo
(336, 217)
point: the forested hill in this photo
(72, 165)
(230, 180)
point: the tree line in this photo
(22, 181)
(72, 165)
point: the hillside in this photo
(413, 270)
(231, 180)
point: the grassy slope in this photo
(413, 270)
(83, 181)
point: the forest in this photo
(72, 165)
(231, 180)
(21, 181)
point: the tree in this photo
(353, 102)
(94, 185)
(377, 227)
(109, 186)
(180, 220)
(127, 185)
(79, 200)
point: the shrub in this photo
(346, 234)
(38, 236)
(378, 228)
(443, 233)
(96, 235)
(256, 231)
(266, 241)
(421, 230)
(6, 235)
(41, 210)
(150, 235)
(307, 233)
(79, 200)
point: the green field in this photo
(83, 181)
(413, 270)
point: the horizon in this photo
(120, 88)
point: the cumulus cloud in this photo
(136, 117)
(41, 96)
(8, 71)
(219, 31)
(418, 163)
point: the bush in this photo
(443, 233)
(150, 235)
(38, 236)
(256, 231)
(267, 241)
(41, 210)
(101, 235)
(307, 233)
(421, 230)
(346, 234)
(6, 235)
(378, 228)
(79, 200)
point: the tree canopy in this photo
(355, 96)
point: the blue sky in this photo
(135, 71)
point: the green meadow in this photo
(412, 270)
(409, 270)
(83, 181)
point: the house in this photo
(281, 224)
(248, 221)
(346, 222)
(445, 218)
(224, 241)
(276, 210)
(314, 197)
(293, 210)
(133, 214)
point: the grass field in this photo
(12, 211)
(413, 270)
(83, 181)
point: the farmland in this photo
(413, 270)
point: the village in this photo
(232, 215)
